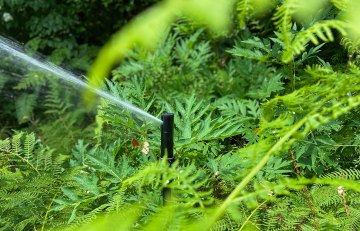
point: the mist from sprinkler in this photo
(15, 49)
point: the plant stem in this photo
(255, 170)
(292, 76)
(252, 214)
(47, 212)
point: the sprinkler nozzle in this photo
(167, 136)
(167, 146)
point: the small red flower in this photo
(257, 130)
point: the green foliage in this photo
(265, 137)
(76, 27)
(243, 7)
(24, 106)
(302, 38)
(30, 177)
(158, 17)
(193, 125)
(351, 46)
(181, 63)
(70, 33)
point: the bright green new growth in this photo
(152, 24)
(261, 143)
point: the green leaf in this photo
(34, 43)
(63, 202)
(88, 184)
(24, 105)
(325, 140)
(80, 154)
(73, 214)
(212, 164)
(71, 194)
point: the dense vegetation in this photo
(266, 116)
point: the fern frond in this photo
(262, 49)
(351, 174)
(183, 181)
(245, 109)
(243, 7)
(29, 146)
(5, 145)
(34, 79)
(24, 106)
(282, 19)
(319, 29)
(344, 5)
(351, 46)
(86, 218)
(16, 143)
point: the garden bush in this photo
(266, 124)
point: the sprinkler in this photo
(167, 144)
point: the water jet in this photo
(18, 52)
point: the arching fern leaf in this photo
(319, 29)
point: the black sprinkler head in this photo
(167, 146)
(167, 136)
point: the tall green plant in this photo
(258, 153)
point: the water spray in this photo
(16, 50)
(167, 144)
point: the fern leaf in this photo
(283, 22)
(88, 183)
(16, 143)
(244, 7)
(5, 145)
(245, 109)
(71, 194)
(29, 145)
(79, 154)
(106, 163)
(319, 29)
(344, 5)
(24, 106)
(351, 46)
(257, 54)
(32, 79)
